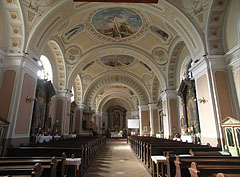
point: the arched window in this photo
(72, 97)
(46, 72)
(230, 137)
(238, 136)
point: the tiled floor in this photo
(117, 159)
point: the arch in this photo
(114, 95)
(2, 28)
(134, 83)
(15, 29)
(163, 10)
(47, 68)
(173, 64)
(155, 90)
(61, 70)
(141, 55)
(78, 90)
(214, 40)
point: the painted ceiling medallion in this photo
(72, 54)
(117, 61)
(160, 56)
(116, 24)
(164, 37)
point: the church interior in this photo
(95, 71)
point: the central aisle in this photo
(117, 159)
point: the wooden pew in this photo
(227, 175)
(183, 163)
(177, 150)
(208, 170)
(35, 171)
(20, 165)
(209, 153)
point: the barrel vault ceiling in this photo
(112, 53)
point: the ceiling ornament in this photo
(71, 33)
(117, 61)
(164, 36)
(88, 65)
(160, 56)
(73, 54)
(116, 24)
(119, 1)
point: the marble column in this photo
(154, 119)
(170, 112)
(62, 114)
(144, 120)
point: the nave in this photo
(116, 159)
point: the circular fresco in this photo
(72, 54)
(117, 22)
(160, 56)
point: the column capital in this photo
(168, 94)
(152, 106)
(143, 107)
(64, 94)
(22, 60)
(213, 62)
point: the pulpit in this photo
(231, 131)
(3, 126)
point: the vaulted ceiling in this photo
(114, 53)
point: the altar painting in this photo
(117, 22)
(192, 114)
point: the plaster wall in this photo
(237, 85)
(231, 25)
(207, 121)
(145, 122)
(6, 90)
(223, 95)
(25, 108)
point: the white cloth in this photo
(41, 139)
(184, 155)
(72, 136)
(188, 139)
(116, 135)
(158, 158)
(75, 161)
(224, 153)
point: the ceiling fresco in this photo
(116, 24)
(117, 60)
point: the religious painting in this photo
(165, 37)
(192, 114)
(71, 33)
(116, 120)
(117, 60)
(117, 22)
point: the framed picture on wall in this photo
(145, 128)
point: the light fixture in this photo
(202, 100)
(29, 99)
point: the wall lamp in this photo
(202, 100)
(29, 99)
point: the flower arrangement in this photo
(188, 131)
(176, 135)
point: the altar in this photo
(116, 135)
